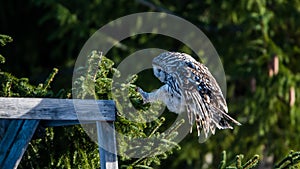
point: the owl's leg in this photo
(156, 95)
(164, 94)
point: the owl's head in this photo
(161, 66)
(165, 64)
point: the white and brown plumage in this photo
(190, 87)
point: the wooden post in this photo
(25, 114)
(107, 145)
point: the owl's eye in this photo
(157, 70)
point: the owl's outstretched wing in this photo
(204, 100)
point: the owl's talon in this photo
(143, 94)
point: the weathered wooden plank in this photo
(107, 145)
(57, 109)
(20, 144)
(56, 123)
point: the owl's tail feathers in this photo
(225, 121)
(222, 121)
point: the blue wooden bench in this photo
(20, 117)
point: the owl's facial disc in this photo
(160, 74)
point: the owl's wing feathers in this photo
(204, 100)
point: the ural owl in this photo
(191, 88)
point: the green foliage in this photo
(62, 147)
(12, 86)
(266, 109)
(292, 160)
(15, 87)
(237, 163)
(4, 39)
